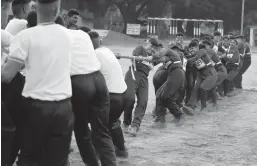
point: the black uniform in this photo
(170, 91)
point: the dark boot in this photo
(203, 98)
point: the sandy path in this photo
(226, 137)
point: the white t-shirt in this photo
(6, 39)
(111, 70)
(16, 25)
(83, 58)
(45, 51)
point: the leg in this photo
(131, 92)
(7, 131)
(116, 109)
(142, 99)
(57, 144)
(243, 69)
(195, 92)
(83, 92)
(100, 122)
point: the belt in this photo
(169, 63)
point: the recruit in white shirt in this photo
(83, 58)
(16, 25)
(111, 70)
(45, 52)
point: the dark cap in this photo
(18, 2)
(154, 41)
(225, 37)
(139, 51)
(195, 40)
(201, 46)
(72, 12)
(46, 1)
(217, 33)
(238, 36)
(193, 44)
(179, 34)
(207, 38)
(176, 46)
(206, 42)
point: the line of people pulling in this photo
(61, 79)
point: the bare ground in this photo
(225, 137)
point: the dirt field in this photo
(226, 137)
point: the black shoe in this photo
(121, 153)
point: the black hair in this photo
(32, 19)
(18, 2)
(72, 25)
(154, 41)
(93, 34)
(225, 37)
(206, 42)
(207, 38)
(217, 33)
(193, 44)
(202, 46)
(180, 34)
(195, 40)
(85, 29)
(72, 12)
(59, 20)
(231, 33)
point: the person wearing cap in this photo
(232, 58)
(207, 75)
(220, 69)
(46, 94)
(216, 40)
(90, 102)
(136, 79)
(161, 75)
(191, 73)
(72, 20)
(169, 93)
(112, 72)
(245, 52)
(20, 9)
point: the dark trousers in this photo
(47, 133)
(202, 86)
(90, 103)
(221, 76)
(138, 87)
(159, 79)
(238, 80)
(117, 105)
(229, 82)
(169, 93)
(7, 134)
(190, 82)
(11, 95)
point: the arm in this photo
(16, 59)
(198, 55)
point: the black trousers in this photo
(91, 103)
(202, 86)
(47, 133)
(11, 95)
(7, 134)
(229, 81)
(238, 80)
(117, 105)
(138, 87)
(169, 93)
(159, 77)
(191, 74)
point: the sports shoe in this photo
(133, 131)
(187, 110)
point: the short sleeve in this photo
(19, 47)
(6, 38)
